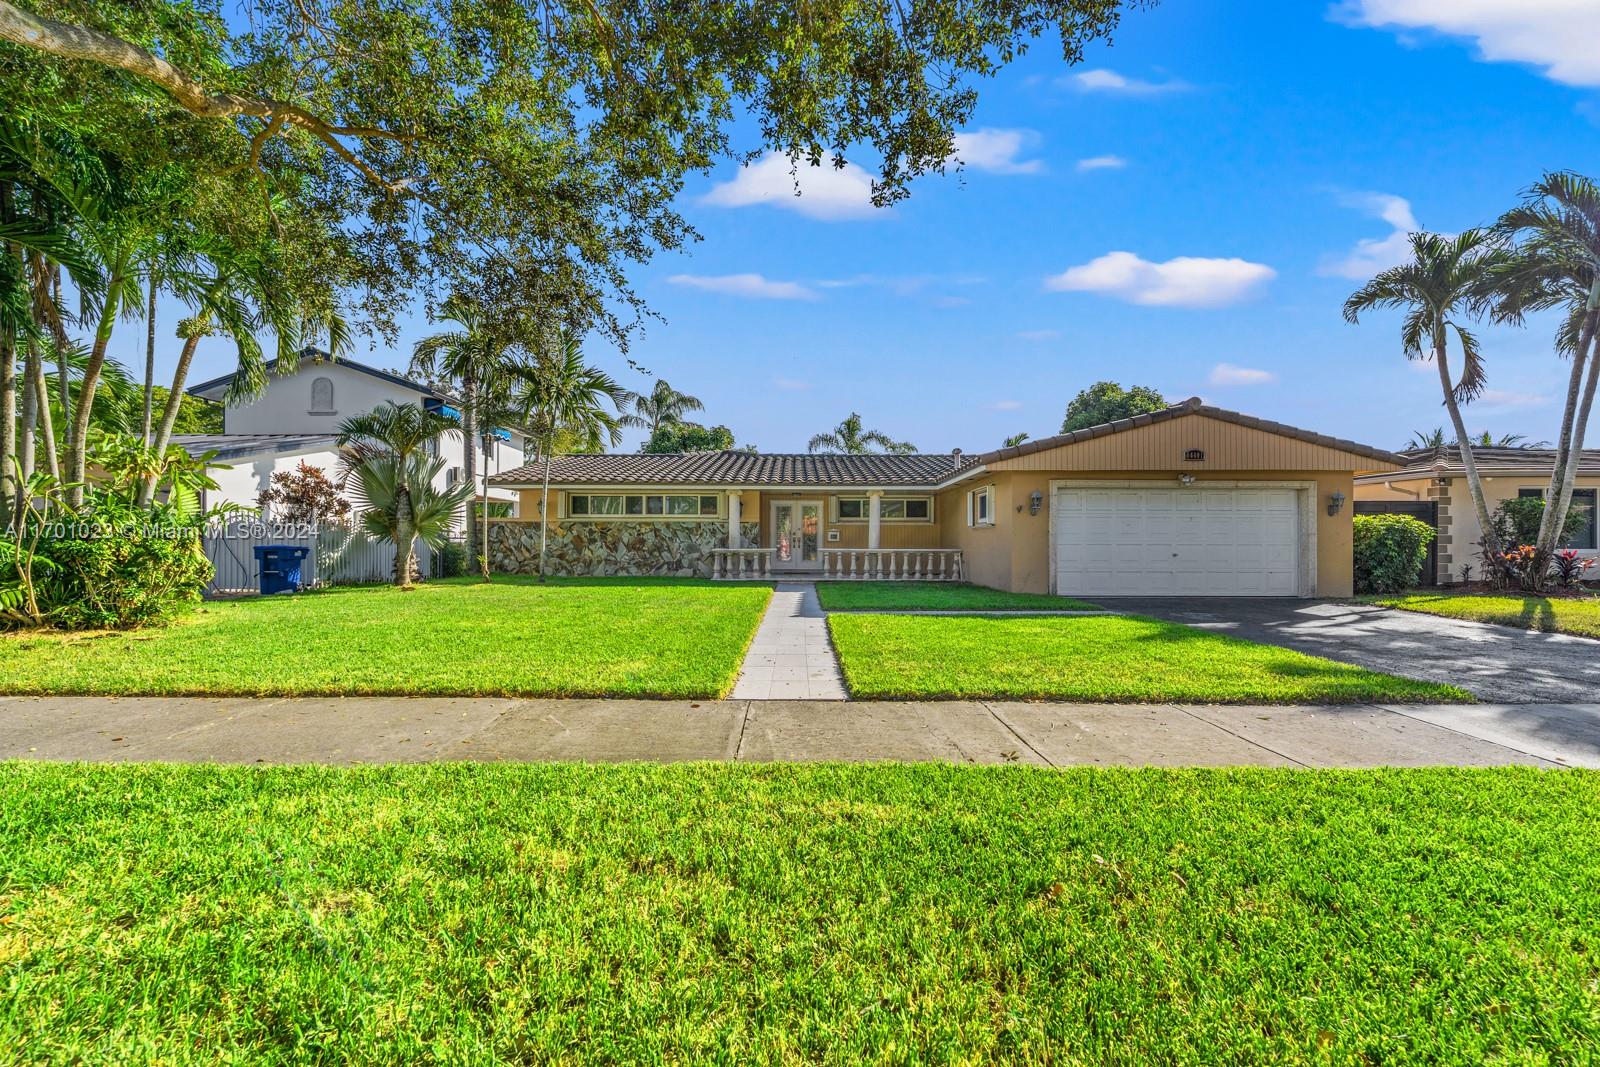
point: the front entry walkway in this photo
(792, 655)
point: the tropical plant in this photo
(1443, 283)
(1556, 265)
(1107, 402)
(304, 495)
(1014, 440)
(563, 396)
(1435, 439)
(471, 356)
(1568, 567)
(689, 437)
(399, 432)
(661, 406)
(848, 438)
(397, 501)
(1518, 519)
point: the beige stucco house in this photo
(1190, 500)
(1436, 477)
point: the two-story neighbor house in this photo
(296, 419)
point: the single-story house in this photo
(1433, 486)
(1189, 500)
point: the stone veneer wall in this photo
(678, 549)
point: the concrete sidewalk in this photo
(355, 730)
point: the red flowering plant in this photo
(1569, 567)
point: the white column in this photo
(874, 507)
(735, 537)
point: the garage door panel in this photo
(1176, 542)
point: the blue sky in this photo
(1185, 210)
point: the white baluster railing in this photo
(892, 564)
(741, 564)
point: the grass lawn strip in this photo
(634, 637)
(540, 913)
(942, 596)
(1549, 614)
(1118, 658)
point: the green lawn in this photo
(1094, 658)
(573, 637)
(1553, 615)
(936, 596)
(898, 914)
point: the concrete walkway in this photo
(792, 656)
(355, 730)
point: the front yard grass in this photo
(1118, 658)
(1550, 614)
(636, 637)
(785, 914)
(936, 596)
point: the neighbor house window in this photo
(890, 509)
(322, 397)
(1583, 503)
(980, 507)
(642, 505)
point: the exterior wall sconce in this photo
(1335, 502)
(1035, 502)
(1186, 479)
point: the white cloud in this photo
(996, 151)
(827, 192)
(1506, 400)
(791, 384)
(1225, 374)
(1005, 405)
(1558, 36)
(1101, 163)
(1038, 335)
(1186, 281)
(906, 285)
(750, 286)
(1109, 81)
(1373, 254)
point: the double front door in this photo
(796, 534)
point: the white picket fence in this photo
(339, 556)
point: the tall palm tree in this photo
(1014, 440)
(399, 432)
(470, 355)
(848, 438)
(1443, 283)
(498, 406)
(564, 397)
(1556, 265)
(662, 404)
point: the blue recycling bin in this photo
(279, 567)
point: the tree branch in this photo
(94, 46)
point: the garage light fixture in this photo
(1335, 502)
(1035, 502)
(1186, 479)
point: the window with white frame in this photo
(643, 506)
(890, 509)
(980, 507)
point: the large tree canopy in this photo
(1108, 402)
(524, 151)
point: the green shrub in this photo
(1516, 521)
(451, 559)
(133, 577)
(1389, 552)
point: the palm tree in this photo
(564, 397)
(470, 355)
(398, 501)
(1556, 265)
(848, 438)
(497, 407)
(1014, 440)
(1433, 439)
(1443, 282)
(660, 405)
(400, 432)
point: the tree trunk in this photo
(1569, 451)
(544, 512)
(169, 413)
(1474, 484)
(485, 556)
(469, 455)
(47, 429)
(405, 538)
(63, 370)
(149, 357)
(78, 428)
(8, 381)
(30, 421)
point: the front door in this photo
(796, 534)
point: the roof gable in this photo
(315, 358)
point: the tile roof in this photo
(1193, 406)
(740, 468)
(1423, 461)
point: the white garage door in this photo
(1176, 542)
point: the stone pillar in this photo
(735, 534)
(874, 507)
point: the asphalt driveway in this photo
(1495, 663)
